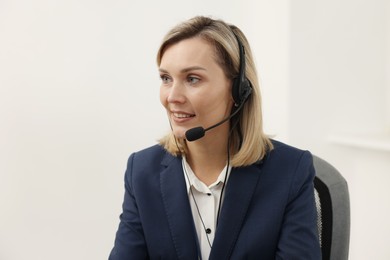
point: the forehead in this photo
(193, 51)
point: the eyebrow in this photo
(185, 69)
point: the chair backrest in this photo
(333, 210)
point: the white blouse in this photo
(204, 201)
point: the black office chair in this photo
(333, 210)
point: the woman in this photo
(224, 192)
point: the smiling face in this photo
(194, 89)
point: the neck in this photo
(208, 156)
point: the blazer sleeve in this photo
(129, 241)
(299, 234)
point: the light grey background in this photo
(79, 92)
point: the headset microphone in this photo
(195, 133)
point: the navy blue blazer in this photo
(268, 211)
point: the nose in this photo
(176, 93)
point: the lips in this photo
(182, 115)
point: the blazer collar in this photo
(177, 208)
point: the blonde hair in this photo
(249, 144)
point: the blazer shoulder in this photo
(152, 154)
(287, 152)
(290, 161)
(149, 158)
(143, 165)
(280, 146)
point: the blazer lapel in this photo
(177, 208)
(239, 190)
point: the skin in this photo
(195, 92)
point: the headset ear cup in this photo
(245, 90)
(241, 90)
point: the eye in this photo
(193, 80)
(165, 79)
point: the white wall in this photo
(339, 85)
(387, 65)
(79, 93)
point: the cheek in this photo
(163, 97)
(215, 101)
